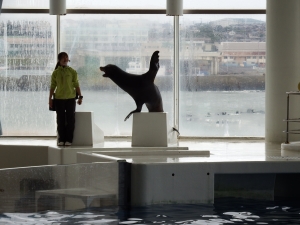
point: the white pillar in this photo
(176, 72)
(283, 65)
(217, 65)
(212, 66)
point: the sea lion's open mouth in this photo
(103, 70)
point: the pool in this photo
(223, 211)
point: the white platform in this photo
(164, 177)
(173, 180)
(86, 132)
(153, 156)
(150, 130)
(68, 155)
(64, 155)
(290, 150)
(166, 183)
(83, 133)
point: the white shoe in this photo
(60, 143)
(68, 143)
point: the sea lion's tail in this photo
(154, 66)
(154, 62)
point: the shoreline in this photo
(187, 83)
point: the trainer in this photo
(64, 88)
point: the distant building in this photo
(123, 41)
(28, 46)
(243, 53)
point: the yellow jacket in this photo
(64, 80)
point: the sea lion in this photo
(140, 87)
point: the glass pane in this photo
(222, 75)
(27, 56)
(127, 41)
(59, 189)
(116, 4)
(221, 4)
(161, 4)
(136, 4)
(26, 4)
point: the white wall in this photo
(22, 156)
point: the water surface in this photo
(225, 211)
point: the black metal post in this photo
(1, 5)
(287, 119)
(124, 185)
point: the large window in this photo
(221, 75)
(222, 71)
(127, 41)
(27, 54)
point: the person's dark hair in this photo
(59, 57)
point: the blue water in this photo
(227, 211)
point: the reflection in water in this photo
(224, 211)
(52, 217)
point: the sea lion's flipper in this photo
(138, 109)
(174, 129)
(134, 111)
(154, 66)
(127, 117)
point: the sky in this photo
(187, 18)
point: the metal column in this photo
(1, 5)
(176, 73)
(57, 36)
(287, 119)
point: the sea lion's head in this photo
(108, 70)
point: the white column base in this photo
(83, 133)
(86, 132)
(290, 150)
(150, 130)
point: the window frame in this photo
(139, 11)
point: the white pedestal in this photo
(86, 132)
(291, 150)
(150, 130)
(83, 133)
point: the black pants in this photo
(65, 117)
